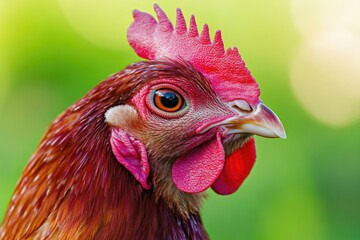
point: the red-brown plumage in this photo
(73, 187)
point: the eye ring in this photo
(168, 108)
(168, 100)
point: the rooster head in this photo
(189, 126)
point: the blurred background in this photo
(304, 54)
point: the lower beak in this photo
(261, 121)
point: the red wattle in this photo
(237, 167)
(197, 170)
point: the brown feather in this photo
(73, 187)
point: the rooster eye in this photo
(168, 100)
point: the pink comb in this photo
(226, 71)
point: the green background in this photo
(305, 187)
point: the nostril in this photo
(236, 108)
(241, 106)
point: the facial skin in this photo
(167, 135)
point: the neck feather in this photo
(73, 187)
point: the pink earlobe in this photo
(131, 153)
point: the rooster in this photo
(133, 158)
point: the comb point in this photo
(228, 51)
(164, 22)
(205, 36)
(180, 22)
(136, 13)
(218, 43)
(236, 52)
(193, 31)
(233, 53)
(139, 15)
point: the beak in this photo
(259, 121)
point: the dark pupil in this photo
(169, 99)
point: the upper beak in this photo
(260, 121)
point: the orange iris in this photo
(168, 100)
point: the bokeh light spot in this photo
(325, 73)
